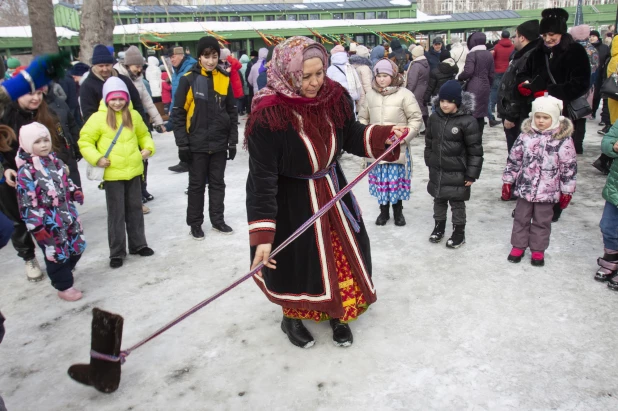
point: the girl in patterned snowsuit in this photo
(45, 196)
(543, 166)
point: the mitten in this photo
(565, 199)
(184, 154)
(79, 197)
(231, 152)
(524, 89)
(506, 192)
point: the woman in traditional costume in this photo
(299, 126)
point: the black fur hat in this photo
(554, 21)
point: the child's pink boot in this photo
(70, 294)
(516, 255)
(538, 258)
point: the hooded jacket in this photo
(183, 68)
(479, 71)
(126, 161)
(255, 68)
(459, 52)
(153, 75)
(453, 151)
(418, 81)
(166, 88)
(363, 69)
(204, 114)
(244, 60)
(149, 106)
(542, 165)
(376, 55)
(447, 70)
(339, 70)
(235, 77)
(502, 54)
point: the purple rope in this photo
(123, 354)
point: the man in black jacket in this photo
(91, 91)
(512, 106)
(205, 123)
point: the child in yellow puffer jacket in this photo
(123, 168)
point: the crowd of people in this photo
(304, 106)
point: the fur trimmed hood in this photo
(468, 104)
(360, 61)
(564, 130)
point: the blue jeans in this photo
(609, 226)
(493, 96)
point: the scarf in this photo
(277, 105)
(479, 47)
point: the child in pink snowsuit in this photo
(543, 166)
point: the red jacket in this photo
(235, 77)
(166, 89)
(502, 54)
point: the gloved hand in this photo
(565, 199)
(79, 197)
(184, 154)
(41, 235)
(524, 89)
(41, 71)
(506, 192)
(231, 152)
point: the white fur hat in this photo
(550, 106)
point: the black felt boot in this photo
(384, 215)
(400, 220)
(458, 238)
(342, 334)
(297, 333)
(106, 339)
(438, 231)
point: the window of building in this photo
(291, 17)
(360, 38)
(246, 18)
(211, 18)
(370, 15)
(160, 20)
(303, 17)
(147, 20)
(337, 16)
(173, 20)
(281, 17)
(198, 18)
(235, 18)
(382, 14)
(371, 40)
(223, 18)
(134, 21)
(349, 16)
(314, 17)
(359, 16)
(270, 17)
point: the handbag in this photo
(609, 88)
(578, 108)
(95, 173)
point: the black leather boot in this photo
(384, 215)
(400, 220)
(438, 232)
(106, 339)
(342, 334)
(297, 333)
(458, 238)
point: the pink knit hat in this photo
(337, 49)
(384, 66)
(581, 32)
(28, 135)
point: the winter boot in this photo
(516, 255)
(297, 333)
(458, 238)
(612, 284)
(342, 334)
(33, 271)
(438, 232)
(384, 215)
(70, 294)
(557, 213)
(608, 266)
(400, 220)
(101, 374)
(538, 258)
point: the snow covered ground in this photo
(452, 329)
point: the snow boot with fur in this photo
(400, 220)
(438, 231)
(342, 334)
(458, 238)
(384, 215)
(103, 375)
(608, 266)
(297, 333)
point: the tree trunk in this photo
(96, 27)
(41, 13)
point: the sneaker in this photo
(144, 252)
(145, 209)
(33, 271)
(222, 228)
(70, 294)
(197, 232)
(115, 262)
(601, 123)
(179, 168)
(604, 130)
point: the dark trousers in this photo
(458, 209)
(532, 225)
(481, 123)
(493, 95)
(206, 168)
(124, 217)
(512, 134)
(579, 131)
(21, 238)
(425, 118)
(61, 274)
(605, 113)
(6, 230)
(249, 100)
(596, 98)
(241, 104)
(144, 180)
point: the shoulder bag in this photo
(609, 89)
(95, 173)
(578, 108)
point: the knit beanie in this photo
(13, 63)
(115, 88)
(581, 32)
(595, 33)
(505, 34)
(396, 45)
(384, 66)
(225, 53)
(79, 69)
(28, 134)
(451, 92)
(362, 51)
(337, 49)
(554, 21)
(207, 41)
(418, 51)
(548, 105)
(133, 57)
(529, 29)
(101, 55)
(353, 48)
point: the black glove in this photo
(231, 152)
(184, 154)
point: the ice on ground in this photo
(451, 330)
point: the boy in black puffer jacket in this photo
(454, 155)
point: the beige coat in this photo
(149, 107)
(399, 108)
(362, 66)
